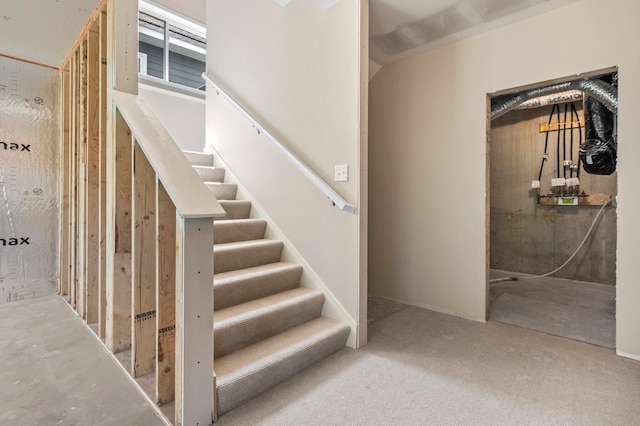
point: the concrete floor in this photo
(54, 371)
(574, 309)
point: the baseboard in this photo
(627, 355)
(430, 308)
(332, 307)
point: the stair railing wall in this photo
(136, 237)
(323, 186)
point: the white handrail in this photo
(335, 198)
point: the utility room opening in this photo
(552, 225)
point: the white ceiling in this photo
(402, 28)
(44, 31)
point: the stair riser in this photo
(234, 394)
(228, 232)
(210, 174)
(199, 158)
(246, 257)
(233, 292)
(223, 191)
(235, 209)
(230, 336)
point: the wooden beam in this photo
(102, 275)
(165, 296)
(81, 181)
(556, 125)
(27, 61)
(195, 382)
(65, 174)
(143, 339)
(118, 327)
(73, 182)
(92, 169)
(578, 200)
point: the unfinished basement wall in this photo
(28, 180)
(428, 147)
(532, 238)
(299, 69)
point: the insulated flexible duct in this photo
(556, 98)
(604, 92)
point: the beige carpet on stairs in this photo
(266, 327)
(426, 368)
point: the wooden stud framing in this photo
(73, 184)
(143, 339)
(65, 213)
(81, 181)
(118, 327)
(125, 250)
(92, 170)
(102, 274)
(165, 296)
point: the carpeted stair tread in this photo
(266, 327)
(240, 286)
(242, 325)
(236, 209)
(209, 173)
(244, 374)
(228, 231)
(223, 191)
(245, 254)
(199, 158)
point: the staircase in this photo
(266, 327)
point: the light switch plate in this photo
(342, 173)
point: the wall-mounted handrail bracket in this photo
(335, 198)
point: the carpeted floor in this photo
(422, 367)
(577, 310)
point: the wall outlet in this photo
(342, 173)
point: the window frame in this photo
(170, 19)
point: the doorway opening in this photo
(552, 230)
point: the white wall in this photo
(428, 154)
(182, 115)
(298, 68)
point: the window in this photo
(171, 47)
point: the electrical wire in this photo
(558, 146)
(575, 111)
(564, 141)
(593, 224)
(546, 142)
(571, 146)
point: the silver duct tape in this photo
(29, 194)
(603, 92)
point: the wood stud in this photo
(143, 339)
(123, 245)
(165, 296)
